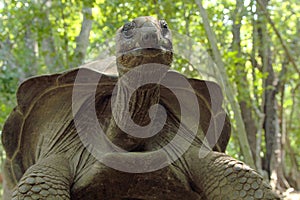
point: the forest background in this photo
(251, 48)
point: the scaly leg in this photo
(220, 177)
(49, 178)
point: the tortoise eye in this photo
(164, 27)
(128, 29)
(163, 24)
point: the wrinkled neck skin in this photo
(138, 105)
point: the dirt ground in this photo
(292, 195)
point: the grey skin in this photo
(46, 158)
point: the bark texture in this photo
(241, 78)
(82, 41)
(242, 136)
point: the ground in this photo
(292, 195)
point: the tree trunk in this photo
(7, 56)
(258, 103)
(51, 56)
(82, 41)
(284, 183)
(293, 175)
(229, 91)
(272, 160)
(241, 78)
(30, 53)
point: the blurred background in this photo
(251, 48)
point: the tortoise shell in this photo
(44, 110)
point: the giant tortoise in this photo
(52, 137)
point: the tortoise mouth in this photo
(146, 52)
(139, 56)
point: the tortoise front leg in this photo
(219, 177)
(49, 178)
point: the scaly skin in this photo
(49, 178)
(221, 177)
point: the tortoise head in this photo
(141, 41)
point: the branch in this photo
(285, 47)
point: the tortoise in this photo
(50, 137)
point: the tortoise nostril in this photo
(149, 38)
(145, 37)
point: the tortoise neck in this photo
(139, 103)
(131, 103)
(137, 106)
